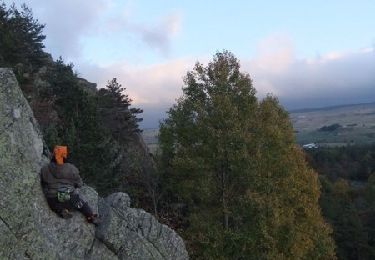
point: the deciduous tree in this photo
(233, 161)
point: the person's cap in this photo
(60, 153)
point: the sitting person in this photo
(59, 182)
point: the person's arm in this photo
(77, 178)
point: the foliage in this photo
(115, 112)
(233, 162)
(93, 124)
(78, 126)
(21, 38)
(347, 201)
(350, 162)
(122, 122)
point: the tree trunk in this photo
(225, 206)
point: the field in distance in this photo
(335, 126)
(328, 126)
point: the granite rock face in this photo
(30, 230)
(135, 234)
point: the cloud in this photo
(66, 22)
(274, 53)
(69, 23)
(330, 79)
(147, 85)
(333, 78)
(160, 35)
(349, 78)
(152, 88)
(157, 35)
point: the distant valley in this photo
(335, 126)
(327, 126)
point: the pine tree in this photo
(232, 160)
(21, 38)
(91, 147)
(135, 167)
(114, 108)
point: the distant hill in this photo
(307, 110)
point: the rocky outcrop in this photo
(30, 230)
(87, 86)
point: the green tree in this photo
(232, 160)
(136, 166)
(21, 38)
(114, 108)
(77, 125)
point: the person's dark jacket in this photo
(55, 177)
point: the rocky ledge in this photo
(30, 230)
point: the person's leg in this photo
(81, 205)
(60, 208)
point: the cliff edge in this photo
(30, 230)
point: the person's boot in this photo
(94, 219)
(66, 214)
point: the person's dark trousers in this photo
(75, 202)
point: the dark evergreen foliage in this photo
(90, 145)
(21, 38)
(115, 111)
(137, 170)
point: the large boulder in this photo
(30, 230)
(135, 234)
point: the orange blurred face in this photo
(60, 153)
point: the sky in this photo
(307, 53)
